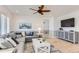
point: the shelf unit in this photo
(67, 35)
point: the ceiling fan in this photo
(40, 10)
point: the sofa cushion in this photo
(22, 39)
(11, 41)
(1, 45)
(7, 44)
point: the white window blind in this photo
(4, 24)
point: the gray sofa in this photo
(18, 48)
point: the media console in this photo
(71, 36)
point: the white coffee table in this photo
(40, 46)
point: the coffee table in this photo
(40, 46)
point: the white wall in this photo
(51, 27)
(35, 21)
(57, 21)
(6, 12)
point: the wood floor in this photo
(64, 46)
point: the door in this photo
(46, 28)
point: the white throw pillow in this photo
(2, 40)
(7, 44)
(23, 33)
(11, 41)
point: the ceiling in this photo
(56, 10)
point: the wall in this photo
(36, 22)
(51, 27)
(57, 21)
(6, 12)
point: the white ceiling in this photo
(56, 10)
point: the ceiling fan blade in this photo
(41, 7)
(41, 13)
(33, 9)
(45, 10)
(35, 12)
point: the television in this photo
(68, 22)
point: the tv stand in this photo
(67, 36)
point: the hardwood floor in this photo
(64, 46)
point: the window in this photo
(4, 24)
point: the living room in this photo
(21, 20)
(20, 16)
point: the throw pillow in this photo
(11, 41)
(1, 45)
(7, 44)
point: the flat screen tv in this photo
(68, 22)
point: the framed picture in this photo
(25, 26)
